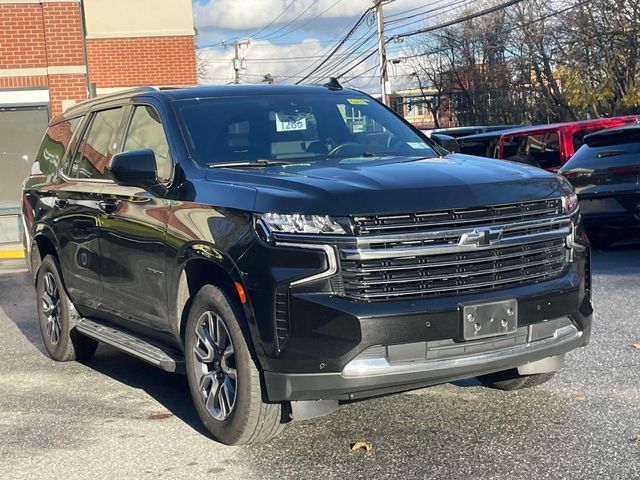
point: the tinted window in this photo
(289, 127)
(94, 151)
(145, 131)
(54, 146)
(542, 149)
(603, 156)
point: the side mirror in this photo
(137, 168)
(446, 141)
(452, 145)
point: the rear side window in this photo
(543, 149)
(94, 151)
(145, 131)
(54, 146)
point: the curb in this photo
(11, 254)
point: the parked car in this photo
(605, 172)
(486, 144)
(293, 247)
(551, 146)
(457, 132)
(545, 146)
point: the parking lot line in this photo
(11, 254)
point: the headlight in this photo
(297, 223)
(569, 202)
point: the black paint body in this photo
(606, 175)
(127, 254)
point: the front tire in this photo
(57, 316)
(223, 379)
(512, 380)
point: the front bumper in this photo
(325, 332)
(330, 333)
(361, 380)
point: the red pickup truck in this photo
(551, 146)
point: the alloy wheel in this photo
(51, 308)
(215, 362)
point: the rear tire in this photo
(223, 378)
(57, 316)
(512, 380)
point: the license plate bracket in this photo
(490, 319)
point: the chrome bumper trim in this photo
(371, 367)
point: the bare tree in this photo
(202, 61)
(536, 62)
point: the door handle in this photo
(61, 202)
(108, 207)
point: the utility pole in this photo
(382, 53)
(239, 63)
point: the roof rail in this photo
(110, 96)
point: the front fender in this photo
(215, 267)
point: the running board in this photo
(156, 355)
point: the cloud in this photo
(244, 15)
(247, 15)
(289, 63)
(289, 55)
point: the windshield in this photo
(294, 128)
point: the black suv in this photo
(605, 172)
(289, 248)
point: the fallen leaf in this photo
(366, 446)
(636, 346)
(159, 416)
(581, 398)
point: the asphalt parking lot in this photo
(116, 417)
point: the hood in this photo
(360, 186)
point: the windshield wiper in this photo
(260, 162)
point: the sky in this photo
(290, 37)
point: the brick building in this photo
(54, 53)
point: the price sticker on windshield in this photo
(285, 123)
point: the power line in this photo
(274, 20)
(461, 3)
(338, 35)
(463, 19)
(340, 44)
(266, 37)
(353, 50)
(450, 23)
(308, 21)
(505, 32)
(414, 9)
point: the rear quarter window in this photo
(54, 146)
(95, 149)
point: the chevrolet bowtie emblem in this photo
(480, 237)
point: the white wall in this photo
(138, 18)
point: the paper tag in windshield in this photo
(418, 145)
(285, 123)
(357, 101)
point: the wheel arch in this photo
(203, 264)
(42, 244)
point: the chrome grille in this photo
(456, 218)
(525, 244)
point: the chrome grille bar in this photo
(485, 216)
(372, 254)
(398, 256)
(422, 292)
